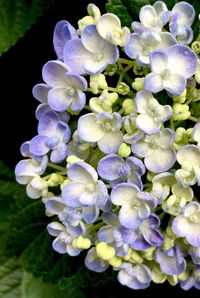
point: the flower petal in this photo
(82, 172)
(38, 145)
(182, 60)
(153, 83)
(175, 84)
(53, 73)
(110, 142)
(186, 11)
(147, 124)
(88, 129)
(158, 61)
(166, 160)
(55, 205)
(90, 214)
(128, 217)
(40, 92)
(71, 194)
(109, 167)
(105, 234)
(124, 193)
(148, 16)
(134, 47)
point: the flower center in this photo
(106, 126)
(194, 219)
(52, 142)
(97, 56)
(90, 187)
(166, 74)
(70, 91)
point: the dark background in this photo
(20, 70)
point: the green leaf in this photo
(117, 7)
(16, 16)
(35, 288)
(10, 279)
(5, 172)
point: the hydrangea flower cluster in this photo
(116, 160)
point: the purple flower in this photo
(136, 204)
(85, 190)
(193, 279)
(63, 32)
(116, 170)
(67, 88)
(188, 224)
(141, 46)
(146, 235)
(134, 276)
(90, 54)
(53, 134)
(103, 128)
(182, 17)
(63, 242)
(29, 168)
(171, 261)
(152, 146)
(70, 217)
(94, 263)
(171, 69)
(112, 233)
(152, 114)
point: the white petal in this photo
(165, 161)
(110, 142)
(107, 23)
(142, 101)
(153, 83)
(189, 156)
(82, 172)
(123, 193)
(182, 60)
(147, 124)
(141, 148)
(167, 40)
(148, 16)
(187, 12)
(196, 132)
(175, 84)
(88, 129)
(134, 47)
(158, 61)
(53, 73)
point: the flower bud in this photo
(123, 88)
(181, 98)
(115, 262)
(55, 180)
(128, 106)
(105, 251)
(180, 112)
(124, 150)
(97, 81)
(138, 84)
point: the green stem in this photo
(193, 119)
(56, 167)
(172, 124)
(125, 61)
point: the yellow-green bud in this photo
(110, 70)
(148, 253)
(72, 159)
(115, 262)
(180, 112)
(172, 279)
(157, 275)
(128, 255)
(81, 243)
(128, 106)
(138, 70)
(124, 150)
(181, 98)
(105, 251)
(55, 180)
(94, 14)
(138, 84)
(136, 258)
(65, 182)
(196, 47)
(123, 88)
(97, 82)
(168, 243)
(183, 276)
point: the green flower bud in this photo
(97, 82)
(124, 150)
(123, 88)
(138, 84)
(55, 180)
(196, 47)
(180, 112)
(115, 262)
(128, 106)
(110, 70)
(105, 251)
(181, 98)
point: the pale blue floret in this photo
(112, 233)
(196, 133)
(193, 279)
(94, 263)
(189, 159)
(89, 54)
(182, 17)
(66, 88)
(152, 18)
(171, 261)
(103, 128)
(31, 167)
(146, 235)
(150, 147)
(135, 277)
(152, 114)
(141, 46)
(135, 204)
(63, 242)
(116, 170)
(171, 69)
(53, 134)
(85, 190)
(188, 224)
(63, 32)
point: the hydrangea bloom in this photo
(152, 146)
(188, 224)
(171, 69)
(110, 162)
